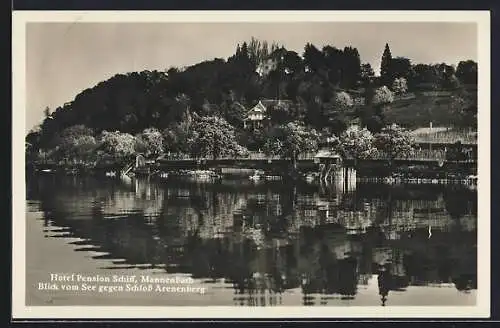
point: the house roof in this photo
(263, 104)
(257, 109)
(428, 130)
(323, 153)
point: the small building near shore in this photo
(325, 156)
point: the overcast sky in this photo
(66, 58)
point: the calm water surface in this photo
(325, 242)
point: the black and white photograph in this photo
(248, 164)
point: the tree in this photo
(385, 66)
(292, 63)
(334, 64)
(213, 136)
(400, 67)
(74, 143)
(76, 131)
(32, 141)
(313, 58)
(258, 50)
(338, 122)
(446, 76)
(372, 115)
(467, 72)
(464, 105)
(273, 146)
(451, 82)
(244, 50)
(357, 143)
(351, 67)
(334, 143)
(313, 93)
(176, 137)
(366, 74)
(291, 140)
(374, 123)
(342, 101)
(425, 77)
(279, 114)
(46, 112)
(150, 142)
(85, 147)
(382, 96)
(234, 113)
(393, 142)
(119, 145)
(400, 86)
(338, 109)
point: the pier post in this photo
(344, 178)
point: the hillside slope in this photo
(418, 110)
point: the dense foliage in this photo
(291, 140)
(214, 137)
(393, 142)
(357, 143)
(200, 110)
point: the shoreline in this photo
(435, 178)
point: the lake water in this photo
(235, 242)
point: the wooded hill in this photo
(325, 89)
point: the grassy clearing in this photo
(419, 111)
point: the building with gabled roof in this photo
(256, 116)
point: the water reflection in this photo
(267, 238)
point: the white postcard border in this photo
(21, 311)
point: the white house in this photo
(266, 66)
(256, 116)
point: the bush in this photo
(383, 96)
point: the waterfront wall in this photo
(246, 167)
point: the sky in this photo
(63, 59)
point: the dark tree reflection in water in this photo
(269, 238)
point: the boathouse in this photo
(327, 157)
